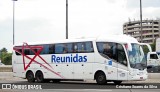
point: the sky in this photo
(45, 20)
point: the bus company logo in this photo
(69, 58)
(32, 59)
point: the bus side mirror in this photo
(149, 67)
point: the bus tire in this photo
(117, 82)
(39, 77)
(30, 76)
(100, 78)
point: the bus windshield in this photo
(137, 58)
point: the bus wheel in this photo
(39, 77)
(117, 82)
(100, 78)
(30, 76)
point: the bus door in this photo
(108, 51)
(122, 71)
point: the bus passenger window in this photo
(59, 48)
(69, 47)
(51, 49)
(75, 48)
(65, 49)
(89, 47)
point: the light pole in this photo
(0, 56)
(141, 20)
(66, 19)
(13, 20)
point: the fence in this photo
(6, 68)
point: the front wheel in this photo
(100, 78)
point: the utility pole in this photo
(141, 20)
(66, 19)
(13, 21)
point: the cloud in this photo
(145, 3)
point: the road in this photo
(75, 86)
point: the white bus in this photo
(114, 58)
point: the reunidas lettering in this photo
(70, 58)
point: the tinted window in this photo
(59, 48)
(62, 48)
(17, 53)
(108, 49)
(69, 47)
(78, 47)
(26, 51)
(121, 55)
(153, 56)
(45, 49)
(89, 47)
(113, 51)
(33, 52)
(51, 49)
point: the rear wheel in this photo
(39, 77)
(30, 76)
(100, 78)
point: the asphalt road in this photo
(76, 86)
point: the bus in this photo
(112, 58)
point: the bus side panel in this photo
(50, 70)
(122, 72)
(107, 66)
(84, 70)
(18, 67)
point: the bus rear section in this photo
(56, 61)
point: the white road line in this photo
(96, 90)
(82, 90)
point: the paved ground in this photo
(68, 86)
(9, 77)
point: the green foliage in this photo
(6, 58)
(153, 46)
(4, 50)
(145, 49)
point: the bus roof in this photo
(105, 38)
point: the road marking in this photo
(82, 90)
(96, 90)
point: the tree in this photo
(4, 50)
(6, 58)
(153, 46)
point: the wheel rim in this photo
(101, 78)
(39, 77)
(30, 76)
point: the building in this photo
(150, 30)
